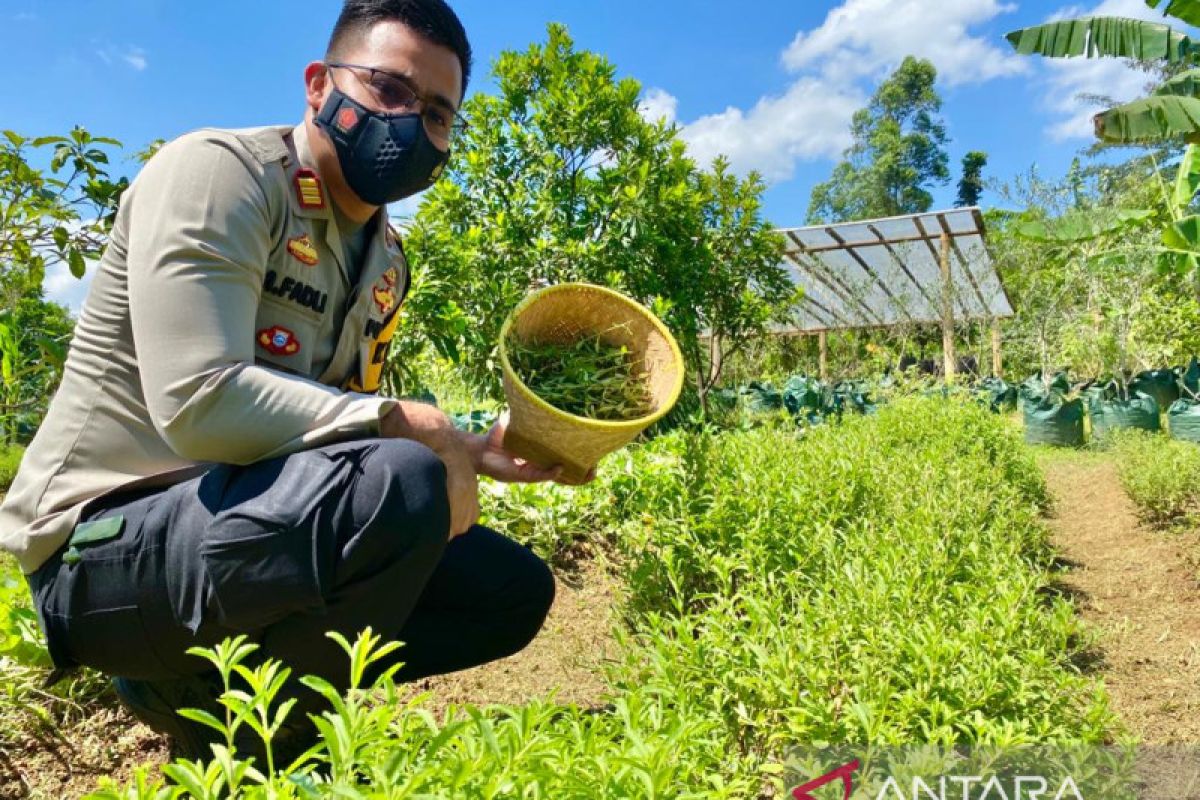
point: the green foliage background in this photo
(560, 178)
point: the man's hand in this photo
(492, 460)
(466, 456)
(462, 486)
(427, 424)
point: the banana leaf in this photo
(1187, 179)
(1186, 10)
(1080, 226)
(1095, 37)
(1151, 119)
(1185, 84)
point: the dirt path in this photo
(1138, 588)
(567, 655)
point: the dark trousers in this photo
(334, 538)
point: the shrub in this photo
(10, 460)
(1160, 475)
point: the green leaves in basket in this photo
(587, 377)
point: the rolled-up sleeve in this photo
(199, 237)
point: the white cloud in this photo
(810, 121)
(862, 38)
(133, 56)
(1068, 78)
(136, 58)
(63, 287)
(659, 104)
(834, 67)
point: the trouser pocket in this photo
(91, 595)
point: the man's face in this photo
(432, 70)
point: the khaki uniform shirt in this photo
(220, 327)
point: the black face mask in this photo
(385, 157)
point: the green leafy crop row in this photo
(1160, 475)
(878, 581)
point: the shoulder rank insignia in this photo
(279, 341)
(302, 249)
(384, 290)
(308, 189)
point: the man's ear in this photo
(316, 85)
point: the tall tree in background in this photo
(970, 185)
(560, 178)
(897, 154)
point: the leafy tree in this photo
(898, 152)
(970, 185)
(33, 350)
(558, 178)
(59, 216)
(1077, 265)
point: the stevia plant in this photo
(878, 583)
(588, 376)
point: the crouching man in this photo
(217, 460)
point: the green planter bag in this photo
(1035, 387)
(1161, 384)
(1053, 419)
(997, 394)
(1183, 420)
(1114, 411)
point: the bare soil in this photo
(566, 658)
(1138, 588)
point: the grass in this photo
(28, 708)
(876, 581)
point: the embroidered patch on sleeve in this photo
(279, 341)
(302, 249)
(384, 290)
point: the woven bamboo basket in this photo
(545, 435)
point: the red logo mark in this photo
(279, 341)
(347, 118)
(844, 772)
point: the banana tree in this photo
(1170, 113)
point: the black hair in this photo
(433, 19)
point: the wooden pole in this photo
(823, 345)
(949, 359)
(997, 362)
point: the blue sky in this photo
(772, 84)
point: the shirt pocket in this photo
(285, 336)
